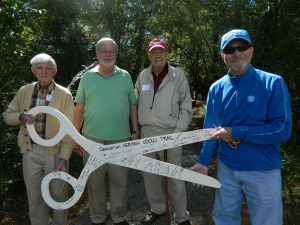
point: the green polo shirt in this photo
(106, 104)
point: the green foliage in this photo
(10, 163)
(291, 157)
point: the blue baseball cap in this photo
(234, 34)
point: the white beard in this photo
(240, 68)
(102, 62)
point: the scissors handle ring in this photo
(61, 133)
(66, 127)
(235, 144)
(78, 190)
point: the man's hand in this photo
(199, 168)
(62, 166)
(223, 134)
(26, 118)
(78, 149)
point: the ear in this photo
(55, 72)
(251, 52)
(32, 70)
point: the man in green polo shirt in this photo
(105, 101)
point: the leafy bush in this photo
(11, 160)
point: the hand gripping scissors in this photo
(233, 144)
(128, 154)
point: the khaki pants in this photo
(36, 165)
(153, 182)
(117, 177)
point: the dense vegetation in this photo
(69, 29)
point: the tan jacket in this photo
(62, 100)
(171, 106)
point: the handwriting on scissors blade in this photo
(80, 188)
(177, 172)
(148, 165)
(155, 143)
(152, 165)
(124, 154)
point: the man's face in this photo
(44, 72)
(107, 54)
(158, 57)
(238, 61)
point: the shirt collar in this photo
(242, 76)
(96, 70)
(165, 70)
(47, 89)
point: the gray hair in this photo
(42, 58)
(106, 39)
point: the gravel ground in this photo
(200, 200)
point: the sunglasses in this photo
(240, 48)
(157, 53)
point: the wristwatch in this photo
(135, 132)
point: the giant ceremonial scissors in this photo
(128, 154)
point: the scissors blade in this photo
(143, 163)
(113, 152)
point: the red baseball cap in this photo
(157, 44)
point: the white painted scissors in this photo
(124, 154)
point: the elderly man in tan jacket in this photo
(165, 107)
(38, 161)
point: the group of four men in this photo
(250, 109)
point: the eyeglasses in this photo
(240, 48)
(42, 69)
(157, 53)
(105, 51)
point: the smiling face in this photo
(238, 62)
(107, 54)
(158, 58)
(44, 72)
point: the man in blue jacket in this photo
(252, 112)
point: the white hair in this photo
(106, 39)
(42, 58)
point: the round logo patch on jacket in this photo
(250, 98)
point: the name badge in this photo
(48, 97)
(146, 87)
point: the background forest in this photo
(69, 29)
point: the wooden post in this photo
(166, 190)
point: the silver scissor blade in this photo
(140, 162)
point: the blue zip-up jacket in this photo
(257, 107)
